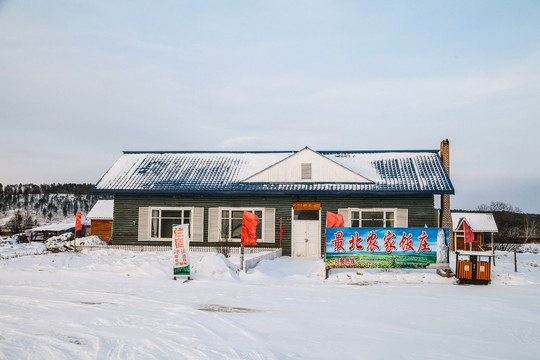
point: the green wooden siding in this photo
(126, 211)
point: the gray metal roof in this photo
(404, 172)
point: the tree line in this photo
(36, 204)
(514, 226)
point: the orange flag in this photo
(78, 225)
(469, 235)
(249, 228)
(334, 220)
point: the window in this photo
(306, 214)
(306, 171)
(373, 218)
(162, 220)
(231, 223)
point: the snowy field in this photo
(115, 304)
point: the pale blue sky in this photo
(80, 81)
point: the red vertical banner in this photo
(280, 231)
(78, 224)
(249, 228)
(469, 235)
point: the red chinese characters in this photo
(424, 246)
(389, 242)
(372, 242)
(355, 242)
(406, 242)
(338, 242)
(345, 262)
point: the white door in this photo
(306, 237)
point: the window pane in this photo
(373, 223)
(355, 215)
(225, 214)
(372, 215)
(187, 214)
(390, 219)
(236, 228)
(306, 214)
(171, 213)
(355, 223)
(154, 231)
(155, 213)
(166, 227)
(237, 214)
(258, 230)
(225, 228)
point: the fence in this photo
(203, 249)
(251, 263)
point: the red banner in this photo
(469, 235)
(249, 228)
(334, 220)
(78, 224)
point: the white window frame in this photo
(160, 208)
(250, 209)
(383, 210)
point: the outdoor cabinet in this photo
(473, 267)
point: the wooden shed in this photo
(101, 219)
(483, 226)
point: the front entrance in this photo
(306, 233)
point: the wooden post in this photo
(515, 260)
(242, 257)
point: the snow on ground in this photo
(116, 304)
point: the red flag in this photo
(280, 231)
(469, 235)
(334, 220)
(249, 228)
(78, 225)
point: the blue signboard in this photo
(386, 247)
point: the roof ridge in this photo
(273, 151)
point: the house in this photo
(482, 225)
(290, 191)
(101, 219)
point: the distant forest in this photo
(27, 205)
(514, 226)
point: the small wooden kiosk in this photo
(482, 224)
(101, 219)
(473, 267)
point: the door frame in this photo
(318, 232)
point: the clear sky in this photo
(81, 81)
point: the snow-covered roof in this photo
(176, 172)
(479, 222)
(102, 210)
(55, 227)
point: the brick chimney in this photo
(446, 217)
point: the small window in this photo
(306, 171)
(372, 218)
(231, 223)
(163, 220)
(306, 214)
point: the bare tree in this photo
(531, 228)
(498, 206)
